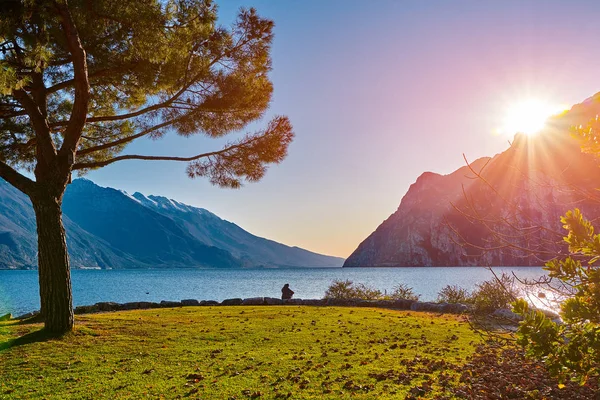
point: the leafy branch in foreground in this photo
(570, 349)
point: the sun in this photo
(529, 116)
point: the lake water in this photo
(19, 289)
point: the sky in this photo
(379, 92)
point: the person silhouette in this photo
(286, 292)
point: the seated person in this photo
(286, 292)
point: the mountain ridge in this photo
(108, 228)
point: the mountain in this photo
(499, 211)
(107, 228)
(212, 230)
(18, 242)
(17, 222)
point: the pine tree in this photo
(79, 81)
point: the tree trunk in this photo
(53, 265)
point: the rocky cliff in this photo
(496, 211)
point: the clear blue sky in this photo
(379, 92)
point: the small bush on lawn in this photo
(404, 292)
(454, 294)
(340, 290)
(348, 290)
(367, 293)
(494, 294)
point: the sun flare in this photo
(528, 116)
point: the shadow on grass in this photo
(33, 337)
(36, 319)
(493, 329)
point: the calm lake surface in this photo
(19, 289)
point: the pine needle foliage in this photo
(153, 68)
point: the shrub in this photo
(339, 290)
(454, 294)
(494, 294)
(347, 290)
(367, 293)
(404, 292)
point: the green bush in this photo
(494, 294)
(454, 294)
(403, 292)
(367, 293)
(340, 290)
(348, 290)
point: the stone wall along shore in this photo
(444, 308)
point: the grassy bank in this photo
(237, 352)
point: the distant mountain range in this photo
(108, 228)
(509, 216)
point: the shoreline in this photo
(406, 305)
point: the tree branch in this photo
(8, 115)
(154, 107)
(82, 84)
(130, 138)
(40, 125)
(19, 146)
(104, 163)
(166, 103)
(91, 75)
(19, 181)
(126, 139)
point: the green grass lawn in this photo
(241, 352)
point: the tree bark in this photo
(53, 265)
